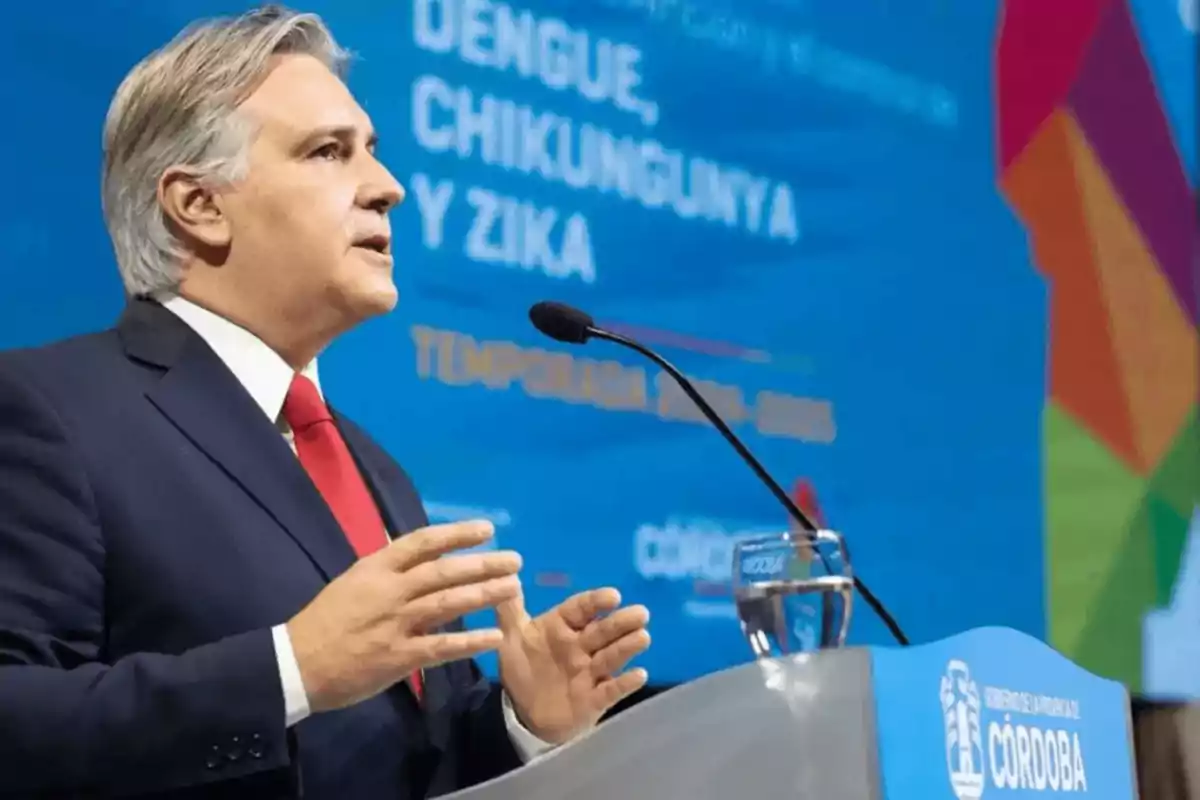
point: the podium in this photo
(990, 713)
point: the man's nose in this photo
(380, 190)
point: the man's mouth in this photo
(379, 243)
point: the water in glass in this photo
(793, 592)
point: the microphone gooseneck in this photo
(572, 326)
(716, 420)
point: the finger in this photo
(426, 544)
(511, 614)
(614, 690)
(428, 612)
(600, 633)
(582, 608)
(443, 647)
(612, 659)
(450, 571)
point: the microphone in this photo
(570, 325)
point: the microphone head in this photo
(561, 322)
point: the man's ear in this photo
(193, 208)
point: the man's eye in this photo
(329, 152)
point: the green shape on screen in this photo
(1111, 644)
(1176, 479)
(1169, 533)
(1091, 498)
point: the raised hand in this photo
(376, 624)
(564, 669)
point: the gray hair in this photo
(178, 107)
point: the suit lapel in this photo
(397, 523)
(204, 400)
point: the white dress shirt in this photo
(267, 378)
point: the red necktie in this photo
(327, 459)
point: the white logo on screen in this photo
(964, 734)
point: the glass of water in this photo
(793, 592)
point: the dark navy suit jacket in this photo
(154, 525)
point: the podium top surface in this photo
(989, 714)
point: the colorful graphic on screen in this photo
(1090, 161)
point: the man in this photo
(210, 583)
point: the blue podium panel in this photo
(994, 713)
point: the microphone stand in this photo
(764, 476)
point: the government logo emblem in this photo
(964, 735)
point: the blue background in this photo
(909, 301)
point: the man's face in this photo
(308, 225)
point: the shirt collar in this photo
(263, 373)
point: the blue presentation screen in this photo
(790, 205)
(798, 209)
(795, 201)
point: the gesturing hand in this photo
(560, 670)
(377, 623)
